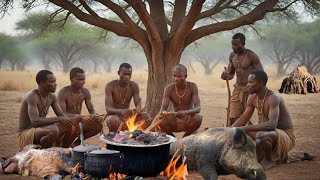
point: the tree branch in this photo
(116, 27)
(152, 31)
(85, 5)
(179, 12)
(256, 14)
(138, 33)
(158, 16)
(214, 10)
(187, 23)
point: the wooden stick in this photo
(120, 127)
(228, 124)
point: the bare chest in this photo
(241, 62)
(74, 102)
(122, 95)
(181, 97)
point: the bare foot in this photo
(267, 164)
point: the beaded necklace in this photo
(184, 92)
(77, 105)
(45, 105)
(260, 105)
(239, 60)
(123, 99)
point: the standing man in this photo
(118, 97)
(70, 99)
(34, 127)
(274, 133)
(186, 105)
(242, 62)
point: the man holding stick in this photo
(242, 62)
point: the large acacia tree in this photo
(165, 28)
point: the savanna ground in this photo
(304, 111)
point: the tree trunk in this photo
(280, 69)
(0, 64)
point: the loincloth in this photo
(181, 122)
(238, 101)
(26, 137)
(285, 142)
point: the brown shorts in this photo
(238, 101)
(286, 140)
(181, 122)
(26, 137)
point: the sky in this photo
(7, 23)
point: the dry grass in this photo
(24, 81)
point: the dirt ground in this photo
(305, 112)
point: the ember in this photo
(138, 137)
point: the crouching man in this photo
(186, 104)
(34, 126)
(70, 99)
(274, 133)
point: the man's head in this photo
(179, 73)
(77, 77)
(46, 80)
(256, 81)
(238, 42)
(125, 71)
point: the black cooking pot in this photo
(78, 153)
(142, 160)
(101, 162)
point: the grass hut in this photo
(299, 81)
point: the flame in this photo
(75, 169)
(116, 176)
(132, 125)
(173, 172)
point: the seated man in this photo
(118, 97)
(186, 105)
(70, 99)
(34, 127)
(273, 134)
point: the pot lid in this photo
(85, 148)
(104, 150)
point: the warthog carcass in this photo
(221, 151)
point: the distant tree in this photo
(12, 52)
(308, 53)
(210, 52)
(279, 45)
(52, 44)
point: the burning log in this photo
(299, 81)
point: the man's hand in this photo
(181, 113)
(64, 119)
(225, 75)
(126, 113)
(78, 118)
